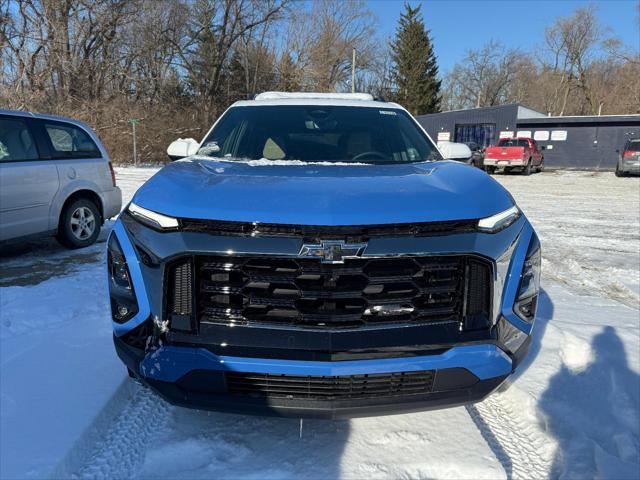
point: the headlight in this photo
(499, 221)
(152, 219)
(123, 300)
(527, 300)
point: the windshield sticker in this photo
(387, 112)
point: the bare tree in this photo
(320, 42)
(485, 77)
(213, 30)
(571, 42)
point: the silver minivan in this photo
(55, 177)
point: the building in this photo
(589, 142)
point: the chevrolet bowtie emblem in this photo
(333, 251)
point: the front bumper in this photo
(196, 378)
(465, 370)
(492, 162)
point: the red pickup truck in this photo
(523, 154)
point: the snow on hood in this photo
(301, 193)
(265, 162)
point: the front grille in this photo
(323, 232)
(330, 388)
(303, 292)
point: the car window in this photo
(321, 134)
(69, 141)
(16, 141)
(513, 142)
(633, 146)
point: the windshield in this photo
(319, 134)
(513, 142)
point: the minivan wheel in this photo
(619, 173)
(79, 224)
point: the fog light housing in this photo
(510, 336)
(527, 299)
(123, 300)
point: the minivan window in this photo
(320, 134)
(16, 142)
(69, 141)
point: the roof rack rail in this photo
(309, 95)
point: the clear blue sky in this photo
(458, 25)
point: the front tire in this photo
(79, 224)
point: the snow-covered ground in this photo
(572, 411)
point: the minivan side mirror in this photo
(454, 151)
(181, 148)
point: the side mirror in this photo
(543, 147)
(181, 148)
(454, 151)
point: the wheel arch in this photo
(78, 194)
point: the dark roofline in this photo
(586, 119)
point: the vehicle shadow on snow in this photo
(543, 316)
(30, 262)
(594, 414)
(217, 445)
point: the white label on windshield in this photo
(387, 112)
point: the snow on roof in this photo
(307, 95)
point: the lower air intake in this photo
(330, 388)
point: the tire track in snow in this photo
(524, 450)
(120, 450)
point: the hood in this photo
(299, 193)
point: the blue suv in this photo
(317, 257)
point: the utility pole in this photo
(353, 70)
(134, 122)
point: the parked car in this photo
(523, 154)
(317, 258)
(629, 160)
(477, 154)
(55, 177)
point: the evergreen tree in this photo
(415, 71)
